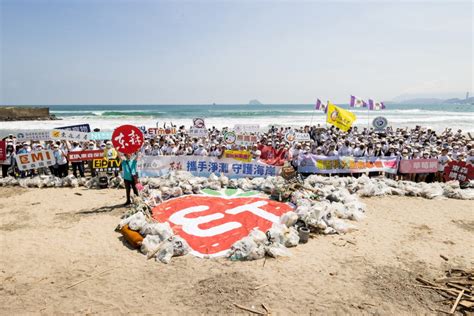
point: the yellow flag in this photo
(340, 118)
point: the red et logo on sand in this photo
(211, 224)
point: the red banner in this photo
(127, 139)
(418, 166)
(85, 155)
(3, 150)
(211, 224)
(459, 170)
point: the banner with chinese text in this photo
(156, 166)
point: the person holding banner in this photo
(61, 166)
(8, 163)
(443, 160)
(130, 175)
(77, 165)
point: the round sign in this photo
(290, 136)
(199, 122)
(127, 139)
(211, 224)
(229, 137)
(379, 122)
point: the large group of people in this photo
(270, 147)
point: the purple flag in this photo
(321, 106)
(376, 105)
(357, 102)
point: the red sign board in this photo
(85, 155)
(3, 150)
(127, 139)
(418, 165)
(212, 224)
(459, 170)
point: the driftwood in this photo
(457, 286)
(249, 309)
(89, 278)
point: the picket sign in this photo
(127, 139)
(86, 128)
(418, 165)
(35, 160)
(246, 128)
(85, 155)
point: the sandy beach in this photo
(60, 254)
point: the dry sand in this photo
(51, 239)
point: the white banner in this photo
(34, 134)
(55, 134)
(198, 132)
(246, 128)
(58, 134)
(156, 166)
(34, 160)
(292, 136)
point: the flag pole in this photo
(312, 115)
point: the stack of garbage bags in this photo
(369, 187)
(158, 241)
(49, 181)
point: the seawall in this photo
(15, 113)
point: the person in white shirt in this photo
(332, 152)
(77, 165)
(200, 151)
(345, 149)
(61, 164)
(156, 150)
(255, 152)
(443, 160)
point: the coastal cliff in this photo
(14, 113)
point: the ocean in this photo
(107, 117)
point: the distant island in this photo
(457, 101)
(255, 102)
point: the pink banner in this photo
(3, 152)
(85, 155)
(418, 166)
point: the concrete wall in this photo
(10, 113)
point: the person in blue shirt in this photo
(130, 176)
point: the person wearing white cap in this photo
(61, 161)
(79, 164)
(200, 151)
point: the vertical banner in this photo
(3, 150)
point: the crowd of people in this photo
(271, 147)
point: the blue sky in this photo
(194, 52)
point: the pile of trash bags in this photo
(158, 241)
(368, 187)
(322, 205)
(49, 181)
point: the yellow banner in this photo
(340, 118)
(241, 155)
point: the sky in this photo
(230, 52)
